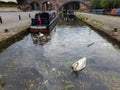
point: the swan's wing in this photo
(82, 64)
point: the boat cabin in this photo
(43, 18)
(43, 22)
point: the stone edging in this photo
(11, 37)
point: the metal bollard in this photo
(19, 17)
(6, 30)
(29, 16)
(115, 30)
(1, 20)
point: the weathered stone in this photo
(55, 4)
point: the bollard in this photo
(19, 17)
(1, 20)
(115, 29)
(6, 30)
(29, 16)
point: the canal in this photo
(29, 65)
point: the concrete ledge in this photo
(102, 23)
(10, 9)
(12, 36)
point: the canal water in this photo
(30, 65)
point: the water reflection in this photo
(40, 38)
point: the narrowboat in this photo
(115, 12)
(44, 22)
(70, 14)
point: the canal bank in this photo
(17, 30)
(13, 26)
(102, 23)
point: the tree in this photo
(106, 4)
(116, 3)
(109, 4)
(95, 4)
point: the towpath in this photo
(13, 20)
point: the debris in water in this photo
(90, 44)
(53, 69)
(46, 82)
(2, 84)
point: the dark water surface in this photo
(29, 66)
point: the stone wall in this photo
(26, 4)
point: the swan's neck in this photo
(76, 65)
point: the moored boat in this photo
(44, 22)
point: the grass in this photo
(8, 5)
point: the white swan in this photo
(79, 65)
